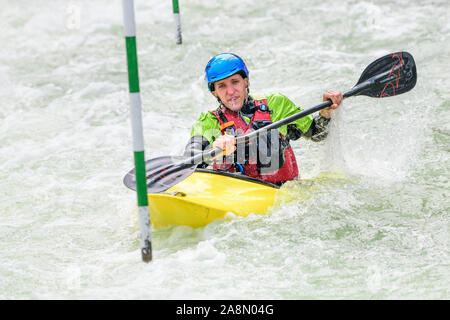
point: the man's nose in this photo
(230, 89)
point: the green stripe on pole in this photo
(141, 181)
(133, 73)
(176, 8)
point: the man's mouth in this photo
(233, 100)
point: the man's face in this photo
(232, 91)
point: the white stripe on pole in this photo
(144, 226)
(136, 121)
(128, 18)
(177, 28)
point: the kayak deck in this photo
(208, 195)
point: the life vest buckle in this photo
(262, 105)
(226, 125)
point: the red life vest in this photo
(228, 118)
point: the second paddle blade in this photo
(162, 173)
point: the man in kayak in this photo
(269, 157)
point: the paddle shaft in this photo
(209, 155)
(376, 80)
(354, 91)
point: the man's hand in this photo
(225, 142)
(335, 97)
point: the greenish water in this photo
(68, 226)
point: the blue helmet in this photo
(222, 66)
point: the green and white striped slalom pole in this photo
(136, 125)
(176, 14)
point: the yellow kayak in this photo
(208, 195)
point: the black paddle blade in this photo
(391, 75)
(162, 173)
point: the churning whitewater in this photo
(371, 219)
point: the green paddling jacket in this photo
(207, 127)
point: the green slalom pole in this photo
(136, 125)
(176, 14)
